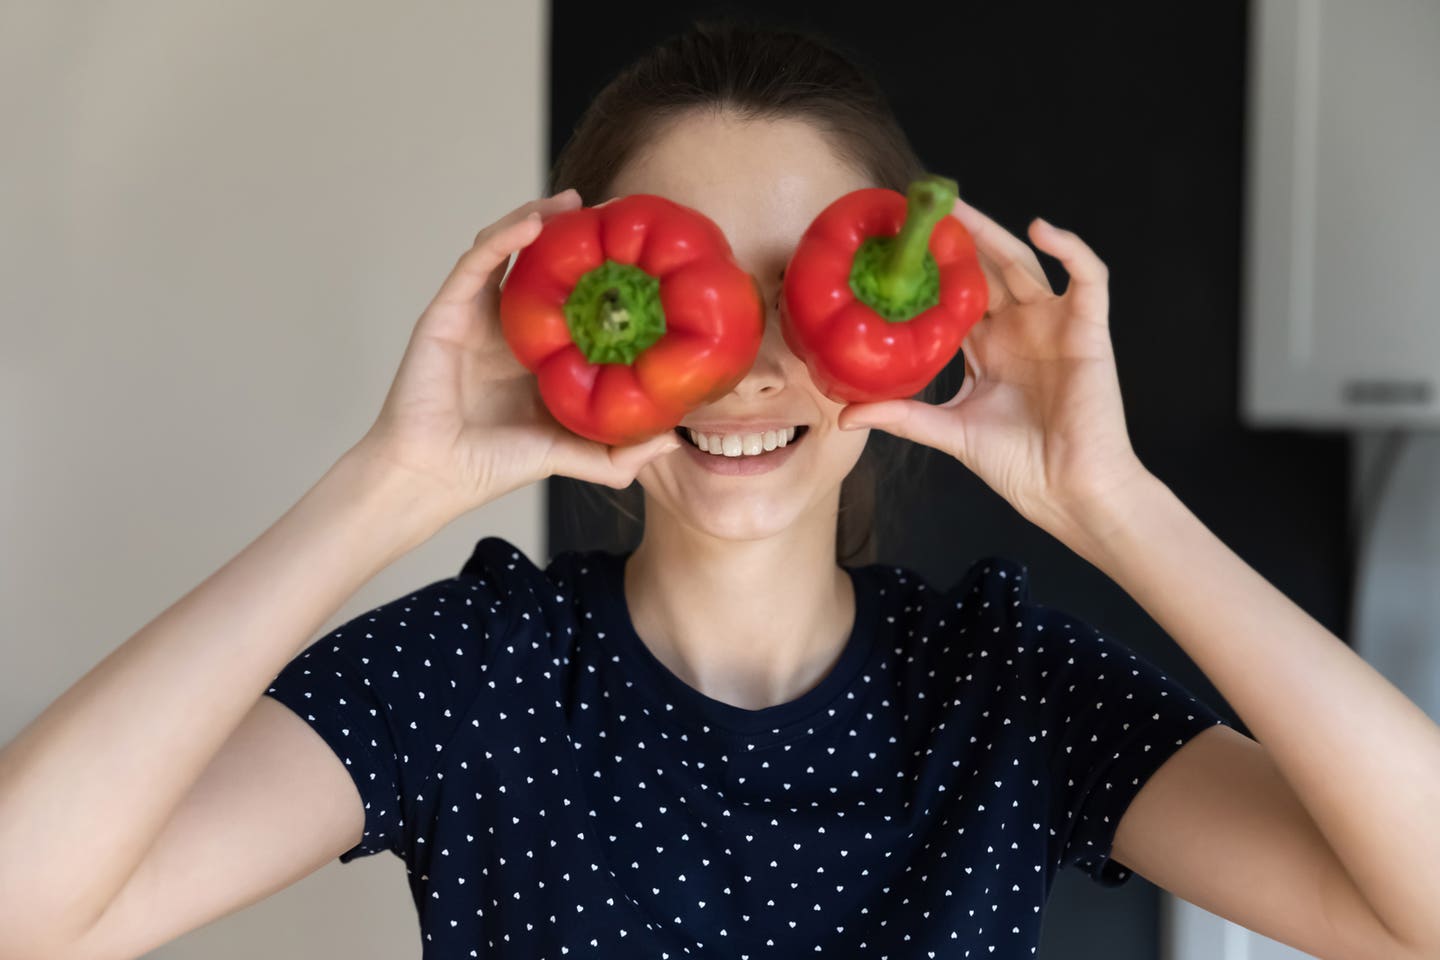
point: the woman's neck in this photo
(750, 623)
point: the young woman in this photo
(737, 740)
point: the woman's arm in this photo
(1362, 759)
(86, 788)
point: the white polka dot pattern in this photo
(555, 791)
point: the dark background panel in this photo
(1125, 123)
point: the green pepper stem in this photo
(614, 313)
(610, 311)
(896, 276)
(928, 201)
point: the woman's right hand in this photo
(463, 413)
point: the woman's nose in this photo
(767, 375)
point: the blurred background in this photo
(218, 224)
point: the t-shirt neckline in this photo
(728, 718)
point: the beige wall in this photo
(218, 224)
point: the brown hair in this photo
(760, 73)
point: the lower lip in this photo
(743, 466)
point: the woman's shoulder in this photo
(499, 559)
(553, 594)
(990, 581)
(504, 562)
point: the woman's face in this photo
(762, 182)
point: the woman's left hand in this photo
(1039, 417)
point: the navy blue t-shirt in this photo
(554, 790)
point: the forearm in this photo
(87, 786)
(1362, 758)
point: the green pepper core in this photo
(614, 313)
(897, 276)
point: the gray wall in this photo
(218, 225)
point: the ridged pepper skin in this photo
(631, 314)
(881, 325)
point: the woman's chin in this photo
(749, 516)
(743, 531)
(732, 514)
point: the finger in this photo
(565, 200)
(583, 459)
(476, 266)
(546, 206)
(494, 245)
(629, 460)
(1000, 295)
(911, 419)
(1089, 288)
(1011, 256)
(971, 379)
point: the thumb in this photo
(628, 460)
(583, 459)
(911, 419)
(614, 466)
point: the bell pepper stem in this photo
(928, 201)
(896, 276)
(614, 313)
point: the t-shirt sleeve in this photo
(1108, 720)
(1113, 719)
(387, 690)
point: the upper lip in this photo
(742, 426)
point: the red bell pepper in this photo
(631, 314)
(881, 290)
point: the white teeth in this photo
(741, 444)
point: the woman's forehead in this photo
(761, 181)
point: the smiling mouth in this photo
(800, 432)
